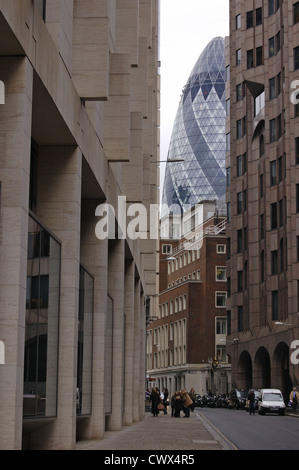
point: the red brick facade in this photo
(182, 341)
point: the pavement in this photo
(163, 433)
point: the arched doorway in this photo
(245, 371)
(262, 369)
(281, 369)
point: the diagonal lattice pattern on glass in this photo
(198, 135)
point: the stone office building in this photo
(262, 194)
(79, 127)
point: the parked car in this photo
(237, 399)
(271, 401)
(257, 395)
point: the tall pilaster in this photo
(15, 136)
(94, 256)
(116, 268)
(129, 342)
(138, 357)
(59, 202)
(142, 352)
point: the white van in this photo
(271, 401)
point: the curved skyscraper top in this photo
(198, 135)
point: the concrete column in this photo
(137, 356)
(94, 257)
(129, 383)
(142, 352)
(116, 267)
(15, 138)
(59, 208)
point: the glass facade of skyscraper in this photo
(198, 136)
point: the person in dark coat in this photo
(165, 398)
(251, 399)
(187, 402)
(192, 395)
(155, 400)
(177, 405)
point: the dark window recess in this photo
(275, 305)
(274, 216)
(240, 318)
(249, 19)
(296, 58)
(259, 16)
(37, 292)
(297, 150)
(33, 177)
(259, 56)
(250, 59)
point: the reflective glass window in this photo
(41, 323)
(272, 90)
(273, 173)
(272, 130)
(271, 7)
(259, 16)
(259, 56)
(296, 58)
(239, 92)
(272, 47)
(239, 129)
(249, 19)
(250, 59)
(85, 343)
(238, 57)
(297, 150)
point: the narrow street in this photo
(245, 432)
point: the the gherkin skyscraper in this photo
(198, 135)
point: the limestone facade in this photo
(78, 129)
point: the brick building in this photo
(262, 194)
(189, 330)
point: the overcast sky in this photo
(186, 27)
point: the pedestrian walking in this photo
(187, 402)
(155, 400)
(192, 395)
(176, 405)
(165, 400)
(251, 400)
(294, 397)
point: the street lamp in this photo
(170, 160)
(282, 323)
